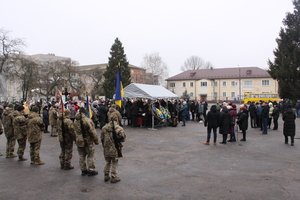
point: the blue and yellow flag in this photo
(119, 90)
(89, 112)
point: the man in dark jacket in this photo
(212, 122)
(242, 121)
(289, 126)
(225, 122)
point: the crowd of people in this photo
(22, 123)
(75, 122)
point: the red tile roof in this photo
(221, 73)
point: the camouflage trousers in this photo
(10, 146)
(86, 157)
(66, 154)
(53, 131)
(35, 151)
(111, 165)
(22, 146)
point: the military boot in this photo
(13, 155)
(21, 158)
(39, 162)
(84, 172)
(92, 173)
(106, 177)
(115, 179)
(68, 167)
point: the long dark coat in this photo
(289, 127)
(242, 120)
(212, 118)
(46, 117)
(225, 121)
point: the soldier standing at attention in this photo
(8, 118)
(111, 134)
(35, 131)
(86, 138)
(53, 115)
(20, 130)
(66, 136)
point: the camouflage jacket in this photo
(113, 113)
(35, 127)
(69, 132)
(8, 118)
(85, 131)
(20, 125)
(107, 140)
(53, 115)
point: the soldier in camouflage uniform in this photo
(66, 138)
(86, 137)
(53, 115)
(35, 131)
(113, 112)
(8, 118)
(20, 131)
(109, 148)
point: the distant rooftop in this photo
(221, 73)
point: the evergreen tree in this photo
(286, 65)
(117, 62)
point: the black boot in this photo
(84, 173)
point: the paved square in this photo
(169, 163)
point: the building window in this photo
(265, 82)
(214, 83)
(203, 84)
(172, 84)
(233, 83)
(224, 94)
(224, 83)
(248, 84)
(191, 94)
(191, 84)
(183, 84)
(232, 94)
(215, 95)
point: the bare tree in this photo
(8, 49)
(195, 63)
(153, 64)
(97, 77)
(26, 71)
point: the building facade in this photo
(222, 84)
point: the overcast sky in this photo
(228, 33)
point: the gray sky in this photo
(228, 33)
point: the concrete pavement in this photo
(169, 163)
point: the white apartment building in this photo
(219, 84)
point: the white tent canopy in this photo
(136, 90)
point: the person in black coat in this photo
(242, 121)
(212, 122)
(225, 123)
(46, 119)
(289, 126)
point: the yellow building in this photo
(222, 84)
